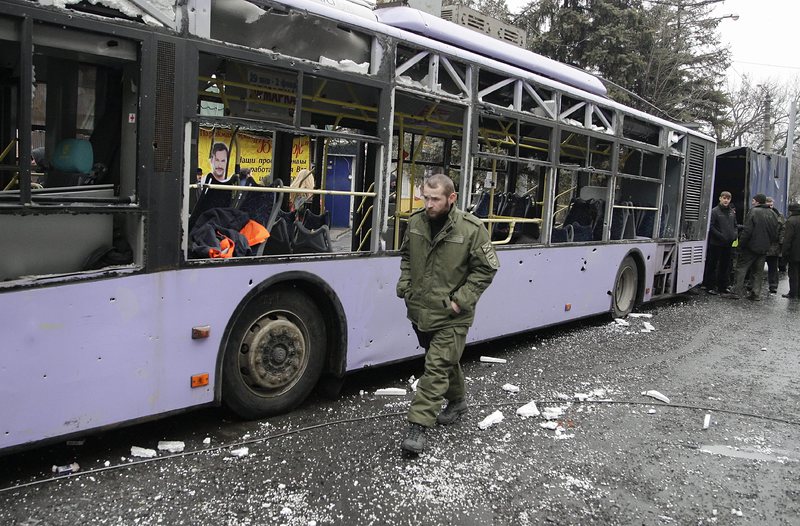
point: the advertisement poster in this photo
(252, 151)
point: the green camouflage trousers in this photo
(443, 377)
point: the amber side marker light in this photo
(567, 307)
(199, 380)
(198, 333)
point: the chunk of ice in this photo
(707, 421)
(655, 394)
(648, 326)
(490, 420)
(391, 391)
(549, 425)
(511, 388)
(143, 452)
(552, 413)
(492, 359)
(207, 440)
(173, 446)
(241, 452)
(528, 410)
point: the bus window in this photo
(82, 172)
(332, 104)
(431, 132)
(574, 149)
(238, 89)
(424, 70)
(635, 209)
(579, 206)
(534, 141)
(639, 130)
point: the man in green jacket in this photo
(447, 261)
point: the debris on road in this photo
(414, 383)
(492, 359)
(143, 452)
(241, 452)
(552, 425)
(391, 391)
(648, 327)
(639, 315)
(707, 421)
(651, 411)
(173, 446)
(511, 388)
(207, 441)
(490, 420)
(655, 394)
(67, 469)
(621, 322)
(528, 410)
(764, 349)
(736, 512)
(552, 413)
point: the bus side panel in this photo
(541, 287)
(94, 354)
(691, 262)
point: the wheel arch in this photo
(326, 300)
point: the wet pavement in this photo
(615, 457)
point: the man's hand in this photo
(455, 307)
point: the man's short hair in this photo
(770, 199)
(725, 194)
(437, 180)
(218, 147)
(760, 199)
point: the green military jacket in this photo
(458, 265)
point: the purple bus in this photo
(146, 156)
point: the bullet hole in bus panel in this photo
(520, 262)
(250, 283)
(112, 43)
(112, 300)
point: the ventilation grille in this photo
(477, 21)
(694, 181)
(165, 92)
(691, 255)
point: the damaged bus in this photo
(202, 203)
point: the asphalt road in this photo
(617, 458)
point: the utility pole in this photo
(790, 147)
(767, 122)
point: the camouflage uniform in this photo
(456, 265)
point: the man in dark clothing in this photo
(791, 250)
(759, 232)
(446, 262)
(721, 234)
(774, 252)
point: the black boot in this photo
(415, 440)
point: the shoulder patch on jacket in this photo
(491, 255)
(472, 219)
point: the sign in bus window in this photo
(237, 89)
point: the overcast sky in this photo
(761, 39)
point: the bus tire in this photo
(274, 355)
(626, 287)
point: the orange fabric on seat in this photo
(254, 232)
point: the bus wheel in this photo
(625, 287)
(274, 355)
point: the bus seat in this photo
(314, 221)
(305, 241)
(262, 207)
(481, 208)
(71, 164)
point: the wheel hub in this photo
(273, 354)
